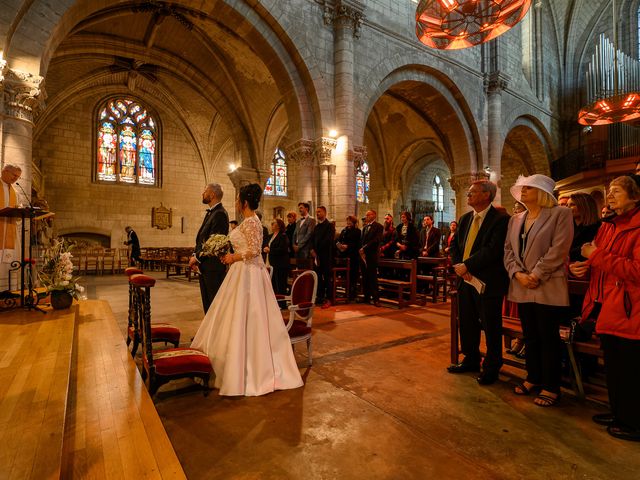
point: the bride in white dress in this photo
(243, 332)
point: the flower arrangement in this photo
(217, 245)
(57, 270)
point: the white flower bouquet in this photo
(57, 270)
(217, 245)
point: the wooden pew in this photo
(398, 287)
(436, 279)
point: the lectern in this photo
(30, 300)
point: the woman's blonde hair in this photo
(545, 200)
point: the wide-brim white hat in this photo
(541, 182)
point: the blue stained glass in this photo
(277, 182)
(362, 182)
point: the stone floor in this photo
(377, 404)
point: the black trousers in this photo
(543, 346)
(621, 360)
(354, 270)
(370, 279)
(279, 280)
(323, 269)
(210, 281)
(478, 312)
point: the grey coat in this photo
(546, 255)
(302, 236)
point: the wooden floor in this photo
(72, 403)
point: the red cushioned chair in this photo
(301, 303)
(162, 366)
(160, 332)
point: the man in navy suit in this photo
(212, 270)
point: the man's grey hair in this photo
(487, 186)
(11, 166)
(216, 188)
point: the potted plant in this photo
(57, 275)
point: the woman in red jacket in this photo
(613, 299)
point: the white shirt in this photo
(481, 214)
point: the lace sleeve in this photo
(251, 229)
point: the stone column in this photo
(301, 155)
(346, 17)
(495, 82)
(242, 176)
(21, 99)
(326, 172)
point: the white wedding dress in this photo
(243, 332)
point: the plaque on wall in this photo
(161, 217)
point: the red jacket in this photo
(615, 277)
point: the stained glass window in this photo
(127, 141)
(437, 194)
(277, 182)
(362, 182)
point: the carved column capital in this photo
(358, 155)
(301, 152)
(344, 14)
(23, 93)
(495, 82)
(324, 147)
(242, 176)
(462, 181)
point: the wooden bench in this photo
(340, 280)
(436, 279)
(512, 328)
(398, 287)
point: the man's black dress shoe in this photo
(462, 368)
(377, 303)
(624, 433)
(605, 419)
(487, 378)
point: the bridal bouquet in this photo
(217, 245)
(57, 270)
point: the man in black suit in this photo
(322, 243)
(212, 270)
(134, 243)
(429, 238)
(478, 250)
(370, 246)
(291, 229)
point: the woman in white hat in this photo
(536, 256)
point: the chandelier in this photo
(455, 24)
(612, 79)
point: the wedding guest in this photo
(429, 238)
(369, 253)
(8, 231)
(510, 309)
(291, 228)
(322, 250)
(563, 201)
(477, 251)
(134, 243)
(535, 255)
(586, 222)
(277, 251)
(388, 248)
(613, 299)
(232, 224)
(212, 270)
(265, 235)
(303, 232)
(348, 244)
(406, 239)
(606, 212)
(453, 226)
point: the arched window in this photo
(362, 182)
(277, 183)
(127, 143)
(437, 194)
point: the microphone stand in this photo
(31, 300)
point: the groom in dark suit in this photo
(212, 270)
(369, 248)
(477, 250)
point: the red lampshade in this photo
(618, 108)
(455, 24)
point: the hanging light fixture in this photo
(455, 24)
(611, 106)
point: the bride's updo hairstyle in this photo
(251, 194)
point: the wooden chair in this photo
(108, 261)
(340, 279)
(123, 259)
(160, 332)
(435, 279)
(301, 302)
(403, 290)
(163, 366)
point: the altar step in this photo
(72, 403)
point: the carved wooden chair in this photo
(160, 332)
(162, 366)
(301, 303)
